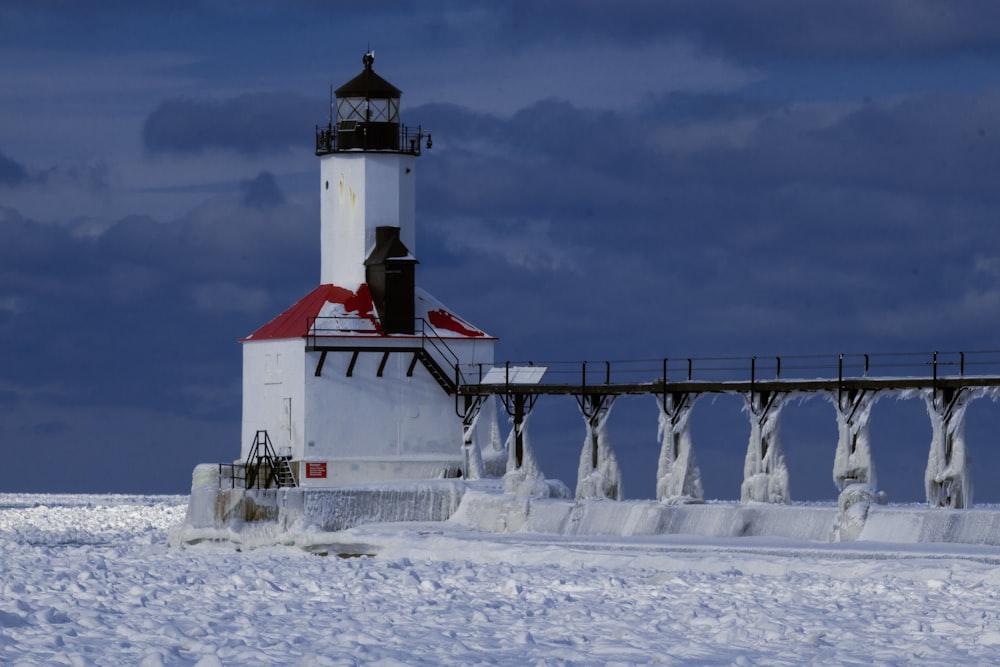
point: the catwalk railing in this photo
(892, 370)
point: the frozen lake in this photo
(90, 580)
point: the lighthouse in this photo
(357, 381)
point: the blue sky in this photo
(640, 180)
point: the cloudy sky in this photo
(625, 180)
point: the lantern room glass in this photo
(368, 110)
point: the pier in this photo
(946, 381)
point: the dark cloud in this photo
(103, 7)
(705, 107)
(893, 28)
(734, 224)
(262, 192)
(249, 124)
(771, 28)
(11, 172)
(145, 277)
(137, 328)
(942, 144)
(93, 178)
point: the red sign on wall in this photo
(316, 470)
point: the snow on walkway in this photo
(89, 580)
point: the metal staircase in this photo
(436, 357)
(437, 372)
(264, 468)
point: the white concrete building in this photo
(355, 382)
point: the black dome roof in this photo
(368, 84)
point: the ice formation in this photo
(493, 452)
(853, 506)
(765, 476)
(853, 461)
(853, 469)
(472, 455)
(483, 453)
(598, 475)
(946, 479)
(678, 479)
(472, 461)
(522, 476)
(493, 512)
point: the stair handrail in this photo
(444, 352)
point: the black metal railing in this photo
(434, 343)
(426, 338)
(329, 326)
(389, 137)
(930, 365)
(230, 474)
(262, 468)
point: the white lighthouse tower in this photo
(356, 382)
(367, 175)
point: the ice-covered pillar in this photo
(521, 464)
(678, 479)
(492, 449)
(853, 469)
(765, 476)
(947, 480)
(472, 456)
(598, 475)
(519, 414)
(852, 463)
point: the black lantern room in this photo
(368, 118)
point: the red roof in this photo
(342, 312)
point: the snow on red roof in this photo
(330, 310)
(295, 321)
(442, 319)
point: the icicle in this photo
(496, 443)
(678, 479)
(494, 454)
(946, 479)
(603, 480)
(765, 476)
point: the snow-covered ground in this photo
(89, 580)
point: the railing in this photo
(445, 356)
(431, 341)
(931, 365)
(246, 475)
(339, 325)
(405, 139)
(230, 473)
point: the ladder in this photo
(283, 474)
